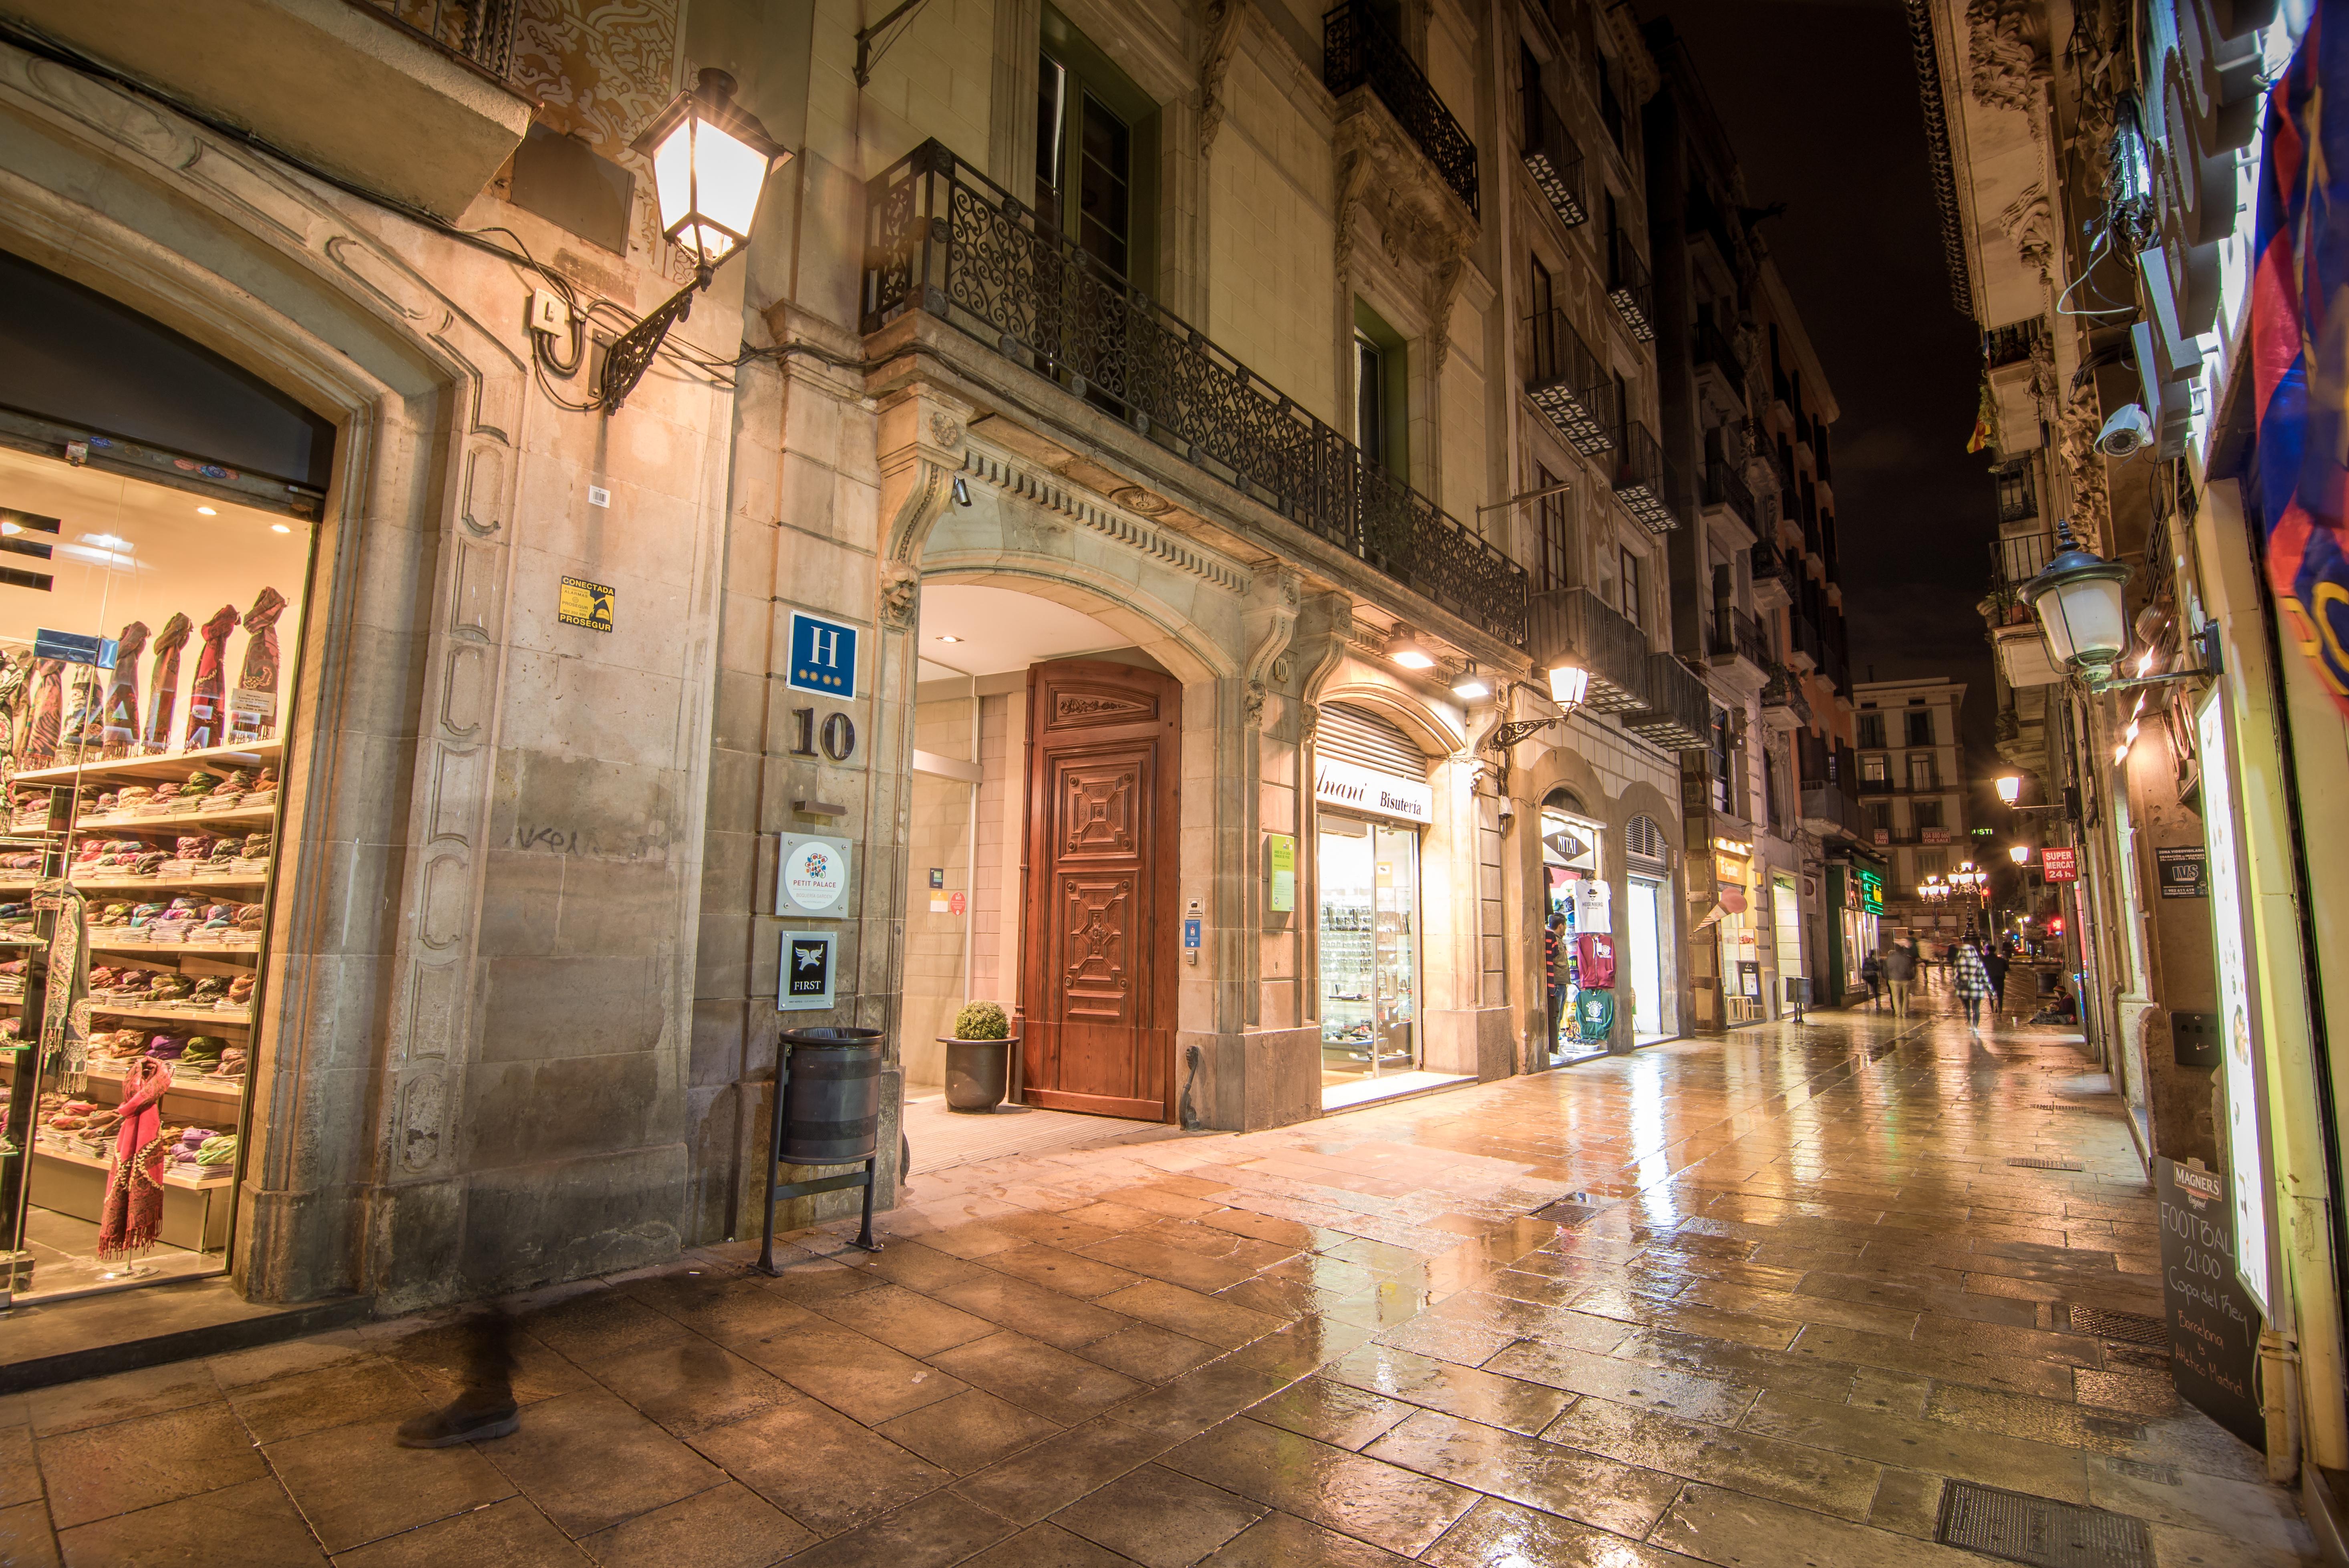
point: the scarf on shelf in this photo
(83, 724)
(207, 723)
(119, 724)
(258, 720)
(48, 714)
(131, 1219)
(164, 704)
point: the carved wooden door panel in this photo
(1100, 935)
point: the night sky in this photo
(1819, 98)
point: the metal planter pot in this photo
(978, 1072)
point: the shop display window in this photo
(147, 640)
(1579, 895)
(1369, 949)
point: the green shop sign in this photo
(1871, 890)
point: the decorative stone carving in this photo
(901, 597)
(1223, 32)
(2091, 503)
(1309, 720)
(2004, 63)
(1252, 704)
(1423, 225)
(2027, 221)
(946, 430)
(1134, 497)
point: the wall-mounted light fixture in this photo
(710, 162)
(1406, 649)
(2083, 614)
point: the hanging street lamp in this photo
(710, 162)
(2082, 612)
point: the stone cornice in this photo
(1000, 472)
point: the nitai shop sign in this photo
(1381, 794)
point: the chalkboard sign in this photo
(2214, 1326)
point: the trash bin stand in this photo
(779, 1190)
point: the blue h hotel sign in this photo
(823, 657)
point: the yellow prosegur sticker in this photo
(587, 604)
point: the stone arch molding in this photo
(430, 409)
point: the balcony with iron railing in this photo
(1569, 383)
(1829, 807)
(944, 240)
(1770, 565)
(1553, 160)
(479, 33)
(2013, 344)
(1630, 287)
(1782, 700)
(1574, 625)
(1714, 350)
(2017, 558)
(1638, 479)
(1680, 709)
(1736, 634)
(1725, 487)
(1805, 650)
(1359, 49)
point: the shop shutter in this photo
(1367, 740)
(1644, 848)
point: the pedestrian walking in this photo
(1871, 974)
(1553, 972)
(1973, 981)
(1901, 975)
(1996, 963)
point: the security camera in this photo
(2125, 432)
(961, 491)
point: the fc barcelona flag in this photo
(2300, 346)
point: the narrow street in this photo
(1753, 1302)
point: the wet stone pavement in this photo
(1751, 1302)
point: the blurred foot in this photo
(462, 1422)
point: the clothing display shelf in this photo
(171, 1178)
(136, 884)
(239, 1019)
(176, 822)
(107, 1086)
(99, 943)
(172, 766)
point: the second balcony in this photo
(1360, 49)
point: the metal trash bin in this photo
(831, 1096)
(827, 1112)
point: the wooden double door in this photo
(1102, 940)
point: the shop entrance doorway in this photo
(1646, 958)
(1788, 914)
(1370, 949)
(1102, 929)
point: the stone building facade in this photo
(1207, 427)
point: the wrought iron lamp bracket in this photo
(631, 353)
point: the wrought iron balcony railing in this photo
(1724, 486)
(1630, 287)
(1829, 806)
(1568, 382)
(1358, 48)
(1574, 625)
(1770, 565)
(478, 32)
(2018, 558)
(1786, 691)
(1803, 641)
(1638, 478)
(943, 239)
(1553, 160)
(1736, 634)
(1679, 710)
(1714, 348)
(2012, 343)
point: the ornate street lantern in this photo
(2078, 600)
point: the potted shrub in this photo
(979, 1057)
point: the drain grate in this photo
(2035, 1529)
(2045, 1162)
(2134, 1327)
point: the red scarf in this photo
(132, 1218)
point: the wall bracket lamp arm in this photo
(631, 353)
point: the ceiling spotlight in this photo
(948, 637)
(207, 512)
(1408, 651)
(279, 528)
(9, 527)
(1470, 686)
(1569, 685)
